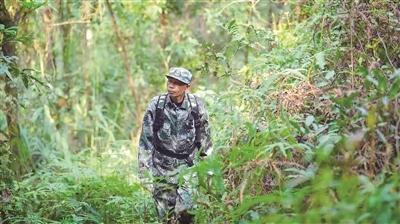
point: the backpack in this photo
(159, 122)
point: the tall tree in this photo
(11, 18)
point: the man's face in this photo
(176, 87)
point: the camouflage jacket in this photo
(176, 135)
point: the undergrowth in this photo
(305, 134)
(99, 190)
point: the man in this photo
(175, 132)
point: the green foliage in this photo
(67, 192)
(31, 5)
(292, 150)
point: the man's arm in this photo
(146, 145)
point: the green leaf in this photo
(363, 71)
(321, 84)
(241, 209)
(33, 4)
(320, 59)
(16, 71)
(243, 221)
(363, 217)
(330, 74)
(295, 125)
(338, 55)
(4, 70)
(37, 80)
(382, 83)
(3, 121)
(8, 73)
(373, 80)
(254, 215)
(232, 27)
(394, 88)
(11, 31)
(25, 40)
(382, 136)
(309, 120)
(385, 100)
(25, 80)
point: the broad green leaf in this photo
(382, 83)
(25, 79)
(321, 84)
(16, 71)
(330, 74)
(309, 120)
(320, 60)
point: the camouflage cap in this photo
(180, 74)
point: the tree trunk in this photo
(11, 109)
(11, 105)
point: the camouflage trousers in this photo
(173, 202)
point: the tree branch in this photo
(71, 22)
(4, 15)
(126, 65)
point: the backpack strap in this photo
(195, 113)
(159, 118)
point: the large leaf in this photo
(309, 120)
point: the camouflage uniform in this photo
(176, 135)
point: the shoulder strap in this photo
(161, 101)
(159, 118)
(195, 113)
(193, 102)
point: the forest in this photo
(303, 99)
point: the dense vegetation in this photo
(303, 98)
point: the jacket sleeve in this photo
(146, 145)
(206, 141)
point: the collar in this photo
(184, 105)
